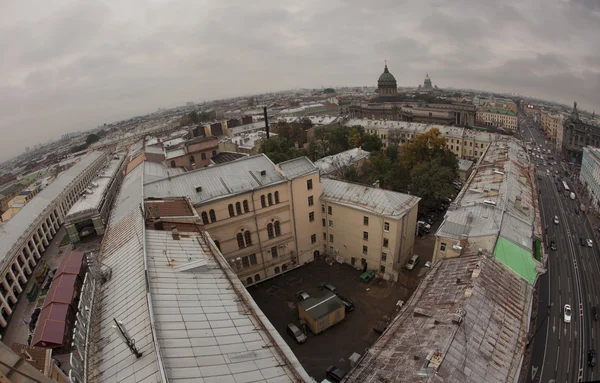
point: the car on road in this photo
(576, 211)
(552, 245)
(296, 333)
(595, 313)
(328, 286)
(348, 304)
(412, 262)
(301, 296)
(556, 220)
(567, 314)
(590, 243)
(591, 357)
(334, 373)
(582, 241)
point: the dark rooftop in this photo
(321, 303)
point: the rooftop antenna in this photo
(126, 338)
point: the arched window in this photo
(213, 217)
(276, 197)
(277, 270)
(248, 238)
(218, 244)
(203, 156)
(214, 153)
(231, 213)
(245, 203)
(277, 229)
(256, 278)
(283, 267)
(173, 164)
(249, 281)
(192, 160)
(240, 240)
(238, 208)
(270, 199)
(270, 230)
(204, 218)
(262, 201)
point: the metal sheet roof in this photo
(218, 181)
(341, 160)
(11, 231)
(373, 200)
(487, 346)
(205, 329)
(297, 167)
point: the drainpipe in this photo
(262, 256)
(294, 220)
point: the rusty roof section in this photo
(176, 207)
(467, 321)
(38, 357)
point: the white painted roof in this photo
(156, 171)
(34, 209)
(297, 167)
(204, 319)
(91, 201)
(334, 162)
(218, 181)
(174, 153)
(373, 200)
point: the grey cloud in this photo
(80, 63)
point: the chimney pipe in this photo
(266, 121)
(175, 233)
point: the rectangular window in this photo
(365, 250)
(322, 208)
(313, 238)
(365, 235)
(324, 222)
(386, 226)
(330, 237)
(366, 221)
(252, 259)
(311, 201)
(330, 223)
(324, 236)
(382, 269)
(329, 211)
(363, 261)
(384, 257)
(311, 216)
(274, 252)
(331, 250)
(309, 184)
(245, 262)
(386, 242)
(353, 261)
(442, 246)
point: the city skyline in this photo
(74, 65)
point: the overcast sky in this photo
(72, 65)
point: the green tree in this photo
(423, 147)
(371, 143)
(432, 182)
(354, 138)
(91, 139)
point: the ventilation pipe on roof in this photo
(175, 233)
(266, 121)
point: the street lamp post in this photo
(529, 340)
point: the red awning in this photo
(62, 290)
(51, 328)
(72, 264)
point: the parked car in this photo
(590, 243)
(301, 295)
(296, 333)
(412, 262)
(591, 357)
(328, 286)
(576, 211)
(348, 304)
(380, 326)
(595, 313)
(582, 241)
(556, 220)
(367, 276)
(334, 373)
(567, 314)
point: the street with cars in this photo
(567, 329)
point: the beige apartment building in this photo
(268, 218)
(369, 228)
(466, 143)
(551, 124)
(498, 117)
